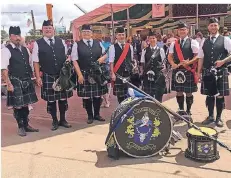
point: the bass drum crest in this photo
(143, 128)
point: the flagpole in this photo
(197, 17)
(112, 20)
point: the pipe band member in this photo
(17, 73)
(182, 53)
(125, 70)
(84, 52)
(152, 60)
(215, 84)
(49, 55)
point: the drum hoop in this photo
(152, 154)
(196, 136)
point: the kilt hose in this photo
(23, 94)
(156, 87)
(189, 86)
(222, 83)
(120, 89)
(48, 93)
(90, 90)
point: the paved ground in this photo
(79, 152)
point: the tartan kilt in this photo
(90, 90)
(48, 93)
(189, 86)
(222, 84)
(120, 89)
(154, 87)
(23, 94)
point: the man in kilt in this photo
(49, 55)
(125, 70)
(84, 52)
(181, 52)
(152, 60)
(17, 73)
(212, 54)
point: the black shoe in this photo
(219, 122)
(99, 118)
(208, 120)
(189, 113)
(90, 120)
(21, 132)
(31, 129)
(64, 123)
(55, 125)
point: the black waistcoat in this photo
(19, 65)
(156, 63)
(186, 50)
(86, 54)
(213, 51)
(127, 63)
(51, 60)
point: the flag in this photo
(28, 22)
(158, 10)
(134, 93)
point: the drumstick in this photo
(175, 114)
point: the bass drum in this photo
(143, 129)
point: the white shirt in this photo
(35, 57)
(112, 52)
(6, 55)
(227, 45)
(74, 52)
(194, 45)
(162, 54)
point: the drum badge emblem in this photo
(143, 130)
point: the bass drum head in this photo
(145, 131)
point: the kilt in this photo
(23, 94)
(154, 87)
(189, 86)
(222, 83)
(90, 90)
(120, 89)
(48, 93)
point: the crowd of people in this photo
(144, 60)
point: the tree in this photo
(4, 34)
(31, 32)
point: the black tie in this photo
(181, 43)
(213, 39)
(122, 45)
(51, 43)
(152, 50)
(88, 43)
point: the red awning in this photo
(96, 15)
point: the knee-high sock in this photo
(180, 101)
(18, 115)
(88, 107)
(96, 104)
(52, 110)
(63, 107)
(220, 103)
(189, 102)
(210, 102)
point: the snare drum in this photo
(139, 128)
(201, 148)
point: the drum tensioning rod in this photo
(175, 114)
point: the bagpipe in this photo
(141, 127)
(211, 77)
(99, 73)
(64, 81)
